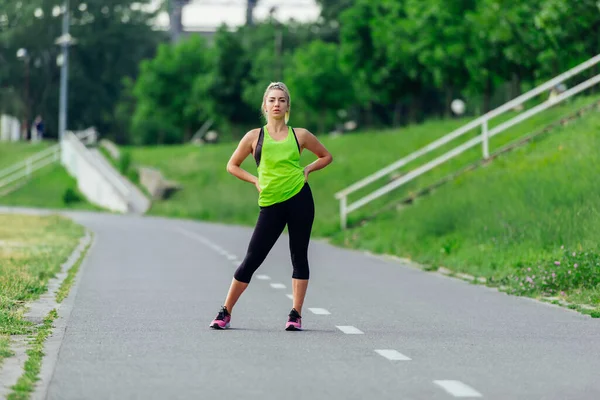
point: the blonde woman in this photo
(284, 198)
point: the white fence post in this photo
(485, 139)
(343, 213)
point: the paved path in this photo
(149, 288)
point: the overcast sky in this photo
(208, 13)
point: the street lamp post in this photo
(64, 41)
(24, 56)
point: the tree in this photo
(504, 47)
(112, 37)
(571, 32)
(168, 110)
(439, 38)
(27, 83)
(331, 9)
(222, 87)
(359, 57)
(269, 48)
(320, 87)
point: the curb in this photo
(443, 271)
(13, 367)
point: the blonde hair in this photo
(281, 86)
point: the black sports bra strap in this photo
(259, 144)
(295, 137)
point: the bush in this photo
(71, 196)
(124, 162)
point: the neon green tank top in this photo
(280, 175)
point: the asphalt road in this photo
(149, 287)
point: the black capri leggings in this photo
(298, 213)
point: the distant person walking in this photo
(284, 198)
(38, 125)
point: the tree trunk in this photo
(413, 109)
(397, 120)
(515, 85)
(487, 94)
(447, 109)
(369, 114)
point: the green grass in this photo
(25, 385)
(67, 283)
(32, 251)
(529, 221)
(13, 152)
(50, 187)
(210, 193)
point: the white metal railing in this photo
(483, 138)
(24, 169)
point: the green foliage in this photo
(440, 40)
(71, 196)
(33, 250)
(358, 54)
(568, 40)
(166, 111)
(320, 87)
(573, 269)
(404, 61)
(125, 162)
(112, 36)
(331, 9)
(222, 87)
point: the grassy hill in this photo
(210, 193)
(529, 221)
(532, 208)
(49, 187)
(13, 152)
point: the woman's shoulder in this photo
(301, 131)
(251, 135)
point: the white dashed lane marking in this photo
(263, 277)
(319, 311)
(457, 388)
(350, 330)
(277, 285)
(393, 355)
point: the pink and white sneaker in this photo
(222, 319)
(294, 321)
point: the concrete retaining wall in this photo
(93, 180)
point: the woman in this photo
(284, 198)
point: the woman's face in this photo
(276, 104)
